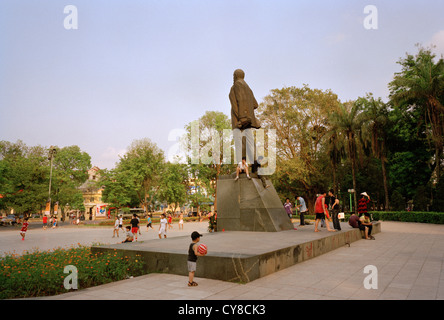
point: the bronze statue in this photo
(243, 103)
(243, 120)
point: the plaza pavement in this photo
(71, 235)
(409, 258)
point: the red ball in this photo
(202, 249)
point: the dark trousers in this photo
(264, 183)
(362, 227)
(334, 215)
(301, 215)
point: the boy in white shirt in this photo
(116, 227)
(163, 227)
(121, 223)
(242, 167)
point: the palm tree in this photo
(420, 84)
(348, 121)
(375, 132)
(335, 151)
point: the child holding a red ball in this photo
(194, 251)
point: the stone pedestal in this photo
(245, 205)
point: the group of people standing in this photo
(327, 207)
(324, 209)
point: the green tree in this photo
(375, 129)
(348, 120)
(137, 174)
(421, 199)
(420, 85)
(397, 201)
(26, 177)
(70, 170)
(205, 141)
(409, 153)
(299, 116)
(438, 197)
(173, 184)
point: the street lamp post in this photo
(52, 152)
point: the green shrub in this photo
(410, 216)
(40, 273)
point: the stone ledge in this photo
(239, 256)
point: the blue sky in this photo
(136, 69)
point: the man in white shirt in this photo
(242, 167)
(302, 207)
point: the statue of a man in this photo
(243, 120)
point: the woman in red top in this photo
(24, 228)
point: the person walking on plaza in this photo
(181, 221)
(288, 207)
(302, 208)
(149, 223)
(362, 204)
(54, 222)
(138, 225)
(163, 227)
(334, 209)
(116, 227)
(45, 222)
(170, 221)
(134, 226)
(121, 223)
(24, 228)
(321, 212)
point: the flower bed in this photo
(41, 273)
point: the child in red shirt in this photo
(24, 228)
(170, 221)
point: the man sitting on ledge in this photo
(242, 167)
(366, 226)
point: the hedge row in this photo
(409, 216)
(403, 216)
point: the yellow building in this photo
(92, 196)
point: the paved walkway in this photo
(409, 258)
(70, 235)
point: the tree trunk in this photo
(354, 186)
(215, 186)
(384, 177)
(351, 151)
(438, 163)
(335, 189)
